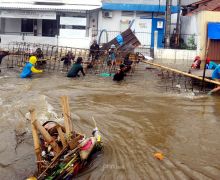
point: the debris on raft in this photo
(61, 152)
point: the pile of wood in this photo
(61, 152)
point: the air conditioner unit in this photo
(107, 14)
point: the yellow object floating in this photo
(31, 178)
(159, 156)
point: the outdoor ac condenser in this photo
(107, 14)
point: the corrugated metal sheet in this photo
(203, 18)
(47, 7)
(214, 48)
(212, 5)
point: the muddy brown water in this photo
(136, 117)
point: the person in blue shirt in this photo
(210, 64)
(76, 68)
(29, 68)
(216, 77)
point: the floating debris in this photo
(159, 156)
(61, 152)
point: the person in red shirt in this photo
(196, 64)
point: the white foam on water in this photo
(51, 113)
(1, 102)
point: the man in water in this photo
(76, 68)
(68, 58)
(216, 77)
(3, 54)
(120, 74)
(94, 51)
(29, 68)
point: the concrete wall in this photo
(12, 25)
(176, 56)
(60, 41)
(189, 26)
(203, 18)
(110, 24)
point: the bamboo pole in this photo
(36, 140)
(66, 113)
(61, 135)
(204, 70)
(181, 72)
(50, 165)
(46, 136)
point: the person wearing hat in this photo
(112, 55)
(29, 68)
(76, 68)
(120, 74)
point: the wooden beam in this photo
(181, 72)
(37, 147)
(50, 140)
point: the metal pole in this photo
(168, 23)
(178, 24)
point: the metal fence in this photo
(181, 41)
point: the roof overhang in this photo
(138, 7)
(57, 8)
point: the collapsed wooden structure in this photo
(61, 152)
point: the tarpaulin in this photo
(214, 30)
(120, 39)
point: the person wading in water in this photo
(76, 68)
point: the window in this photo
(49, 27)
(27, 25)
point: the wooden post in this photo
(61, 135)
(66, 113)
(206, 55)
(36, 140)
(46, 136)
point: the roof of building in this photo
(44, 7)
(204, 5)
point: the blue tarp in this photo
(119, 39)
(214, 30)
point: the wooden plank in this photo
(36, 141)
(181, 72)
(50, 140)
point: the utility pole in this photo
(177, 36)
(168, 23)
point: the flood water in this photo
(136, 117)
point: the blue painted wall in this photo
(161, 31)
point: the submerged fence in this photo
(52, 58)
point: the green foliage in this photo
(191, 45)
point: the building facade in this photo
(143, 16)
(58, 22)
